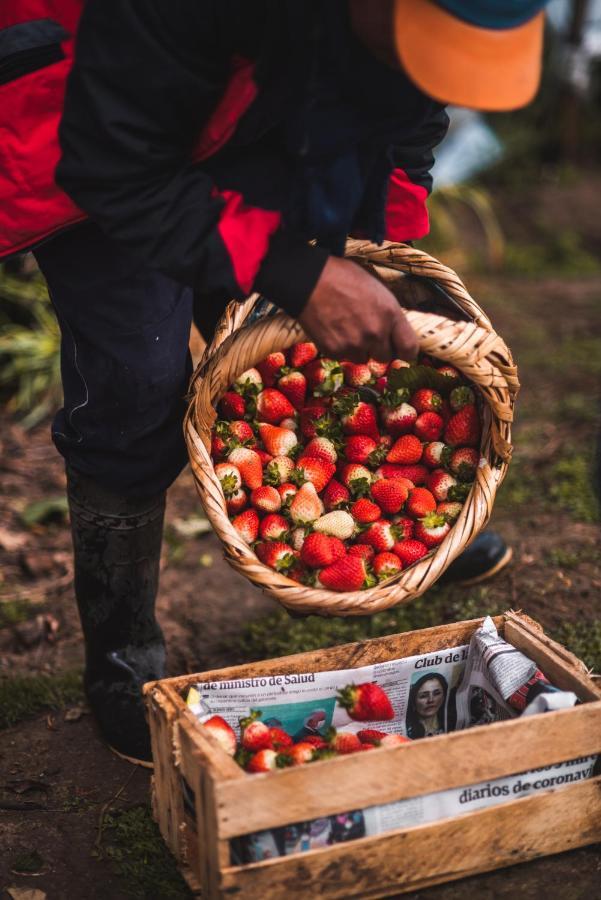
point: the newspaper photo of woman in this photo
(426, 709)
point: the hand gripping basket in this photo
(471, 345)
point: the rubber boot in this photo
(117, 546)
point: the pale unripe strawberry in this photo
(297, 538)
(278, 471)
(250, 381)
(290, 424)
(229, 478)
(337, 523)
(306, 505)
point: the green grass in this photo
(12, 612)
(570, 486)
(584, 639)
(23, 696)
(560, 254)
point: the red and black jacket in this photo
(170, 136)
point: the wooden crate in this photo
(202, 799)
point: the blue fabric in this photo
(495, 14)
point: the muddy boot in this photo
(117, 545)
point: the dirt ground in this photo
(61, 790)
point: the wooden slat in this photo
(414, 858)
(389, 774)
(167, 800)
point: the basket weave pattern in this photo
(472, 346)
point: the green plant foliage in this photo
(561, 254)
(13, 611)
(570, 487)
(41, 512)
(23, 696)
(584, 640)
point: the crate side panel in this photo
(167, 802)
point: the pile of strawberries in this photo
(341, 474)
(263, 747)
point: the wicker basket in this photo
(471, 346)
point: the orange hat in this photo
(485, 55)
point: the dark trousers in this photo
(125, 361)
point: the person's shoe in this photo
(116, 547)
(486, 556)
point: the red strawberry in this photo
(449, 509)
(236, 502)
(406, 450)
(389, 494)
(335, 495)
(278, 470)
(426, 400)
(254, 735)
(280, 739)
(345, 575)
(321, 448)
(232, 406)
(222, 732)
(249, 464)
(366, 702)
(276, 555)
(404, 528)
(317, 420)
(420, 502)
(433, 454)
(337, 523)
(306, 506)
(278, 441)
(415, 474)
(399, 419)
(273, 406)
(317, 471)
(302, 354)
(229, 478)
(265, 760)
(266, 499)
(450, 372)
(370, 736)
(394, 740)
(358, 448)
(345, 742)
(219, 447)
(377, 368)
(381, 384)
(463, 462)
(356, 416)
(300, 753)
(432, 529)
(270, 367)
(428, 426)
(356, 478)
(321, 550)
(385, 565)
(242, 432)
(460, 397)
(264, 456)
(463, 429)
(287, 491)
(397, 364)
(381, 536)
(409, 551)
(249, 383)
(247, 525)
(356, 374)
(364, 511)
(273, 528)
(324, 377)
(363, 550)
(315, 740)
(439, 483)
(294, 386)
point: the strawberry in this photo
(265, 760)
(287, 491)
(317, 420)
(390, 494)
(356, 374)
(426, 400)
(254, 735)
(324, 377)
(404, 528)
(293, 385)
(370, 736)
(297, 538)
(273, 406)
(409, 551)
(236, 502)
(315, 740)
(420, 502)
(345, 575)
(280, 739)
(450, 372)
(381, 536)
(358, 448)
(415, 474)
(365, 512)
(385, 565)
(439, 483)
(290, 424)
(405, 450)
(277, 441)
(394, 740)
(222, 732)
(232, 406)
(363, 550)
(460, 397)
(335, 495)
(321, 550)
(433, 454)
(241, 431)
(321, 448)
(266, 499)
(378, 369)
(356, 478)
(356, 416)
(317, 471)
(381, 384)
(219, 447)
(302, 354)
(247, 525)
(432, 529)
(278, 471)
(306, 506)
(270, 367)
(397, 364)
(249, 383)
(463, 429)
(263, 455)
(428, 426)
(300, 753)
(463, 462)
(273, 528)
(337, 523)
(449, 509)
(229, 478)
(398, 420)
(345, 742)
(249, 465)
(276, 555)
(366, 702)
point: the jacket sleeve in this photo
(406, 216)
(147, 77)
